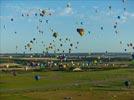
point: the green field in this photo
(56, 85)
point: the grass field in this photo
(92, 85)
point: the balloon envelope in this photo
(55, 34)
(11, 19)
(37, 77)
(80, 31)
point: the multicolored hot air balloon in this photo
(80, 31)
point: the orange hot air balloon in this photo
(80, 31)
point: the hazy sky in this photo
(90, 15)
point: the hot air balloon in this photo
(35, 14)
(69, 50)
(106, 52)
(81, 23)
(11, 19)
(47, 49)
(22, 15)
(116, 31)
(25, 47)
(55, 34)
(41, 14)
(47, 21)
(101, 28)
(30, 49)
(58, 49)
(4, 27)
(71, 44)
(51, 47)
(27, 14)
(31, 41)
(116, 23)
(37, 77)
(40, 20)
(29, 45)
(95, 62)
(123, 1)
(60, 39)
(127, 83)
(118, 17)
(124, 9)
(110, 7)
(80, 31)
(115, 26)
(96, 11)
(61, 45)
(131, 44)
(43, 11)
(68, 5)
